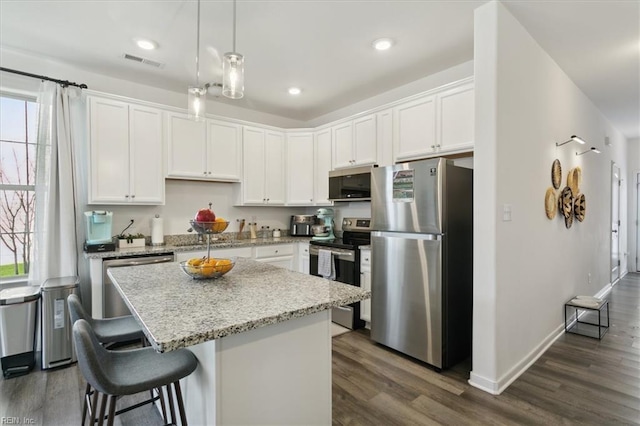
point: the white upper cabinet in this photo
(300, 170)
(365, 140)
(203, 150)
(385, 137)
(274, 168)
(146, 170)
(224, 151)
(126, 153)
(263, 167)
(436, 124)
(322, 166)
(187, 144)
(415, 128)
(455, 120)
(355, 143)
(343, 145)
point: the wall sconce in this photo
(573, 138)
(592, 149)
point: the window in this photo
(18, 138)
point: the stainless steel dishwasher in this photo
(112, 303)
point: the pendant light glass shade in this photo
(233, 75)
(197, 103)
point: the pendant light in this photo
(197, 94)
(233, 68)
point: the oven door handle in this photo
(347, 255)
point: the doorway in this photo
(615, 223)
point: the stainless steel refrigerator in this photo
(422, 248)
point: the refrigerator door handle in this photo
(407, 235)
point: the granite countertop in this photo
(177, 311)
(222, 243)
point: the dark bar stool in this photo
(118, 373)
(111, 330)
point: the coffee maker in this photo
(99, 236)
(323, 230)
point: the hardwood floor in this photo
(579, 380)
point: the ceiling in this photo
(324, 46)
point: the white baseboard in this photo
(496, 387)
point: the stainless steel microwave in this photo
(350, 184)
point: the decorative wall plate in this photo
(568, 221)
(574, 178)
(550, 203)
(580, 207)
(556, 174)
(567, 203)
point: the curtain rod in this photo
(63, 83)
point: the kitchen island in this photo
(262, 336)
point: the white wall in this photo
(424, 84)
(103, 83)
(526, 268)
(633, 165)
(184, 198)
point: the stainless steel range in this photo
(345, 255)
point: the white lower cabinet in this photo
(280, 255)
(365, 283)
(303, 258)
(221, 252)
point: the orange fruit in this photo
(223, 266)
(193, 265)
(219, 225)
(208, 267)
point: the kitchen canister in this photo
(157, 231)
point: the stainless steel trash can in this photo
(57, 338)
(18, 317)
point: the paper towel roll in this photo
(157, 231)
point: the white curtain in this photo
(55, 250)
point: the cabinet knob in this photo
(267, 200)
(209, 173)
(366, 259)
(311, 199)
(276, 251)
(204, 173)
(133, 196)
(126, 196)
(433, 147)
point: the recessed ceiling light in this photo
(383, 43)
(146, 44)
(294, 91)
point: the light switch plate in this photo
(506, 212)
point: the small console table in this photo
(579, 317)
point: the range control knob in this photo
(346, 222)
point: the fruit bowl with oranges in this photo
(200, 268)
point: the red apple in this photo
(205, 215)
